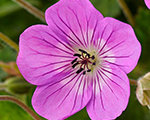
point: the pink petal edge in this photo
(74, 19)
(117, 44)
(42, 57)
(62, 99)
(111, 91)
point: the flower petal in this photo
(117, 43)
(76, 19)
(111, 92)
(63, 98)
(147, 2)
(43, 55)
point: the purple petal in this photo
(147, 2)
(117, 44)
(76, 19)
(110, 93)
(63, 98)
(43, 55)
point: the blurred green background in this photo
(14, 20)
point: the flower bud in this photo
(143, 90)
(17, 85)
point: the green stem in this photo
(9, 41)
(126, 12)
(133, 82)
(31, 9)
(21, 104)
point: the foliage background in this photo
(14, 20)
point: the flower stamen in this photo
(89, 70)
(74, 65)
(74, 60)
(82, 51)
(78, 55)
(85, 61)
(78, 71)
(84, 72)
(94, 63)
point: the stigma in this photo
(84, 61)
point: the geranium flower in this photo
(147, 2)
(79, 59)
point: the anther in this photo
(88, 54)
(82, 51)
(84, 72)
(94, 63)
(93, 57)
(75, 64)
(78, 71)
(89, 70)
(74, 61)
(78, 55)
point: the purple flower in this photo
(147, 2)
(80, 59)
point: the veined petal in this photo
(117, 44)
(147, 2)
(42, 55)
(63, 98)
(76, 19)
(111, 92)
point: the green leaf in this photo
(107, 7)
(6, 53)
(11, 111)
(8, 9)
(142, 30)
(81, 115)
